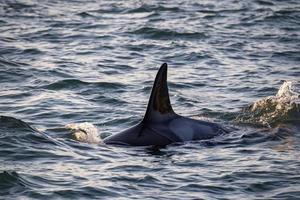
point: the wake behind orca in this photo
(161, 125)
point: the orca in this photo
(161, 125)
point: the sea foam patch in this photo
(84, 132)
(283, 107)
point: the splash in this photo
(284, 107)
(84, 132)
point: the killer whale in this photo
(161, 125)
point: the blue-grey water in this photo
(76, 61)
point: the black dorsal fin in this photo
(159, 102)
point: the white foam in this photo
(84, 132)
(286, 92)
(270, 109)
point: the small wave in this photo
(12, 71)
(31, 51)
(9, 63)
(264, 3)
(85, 14)
(13, 123)
(14, 184)
(84, 132)
(151, 8)
(18, 7)
(75, 83)
(284, 107)
(155, 33)
(19, 141)
(9, 180)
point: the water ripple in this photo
(93, 62)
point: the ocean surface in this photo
(68, 66)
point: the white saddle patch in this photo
(182, 128)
